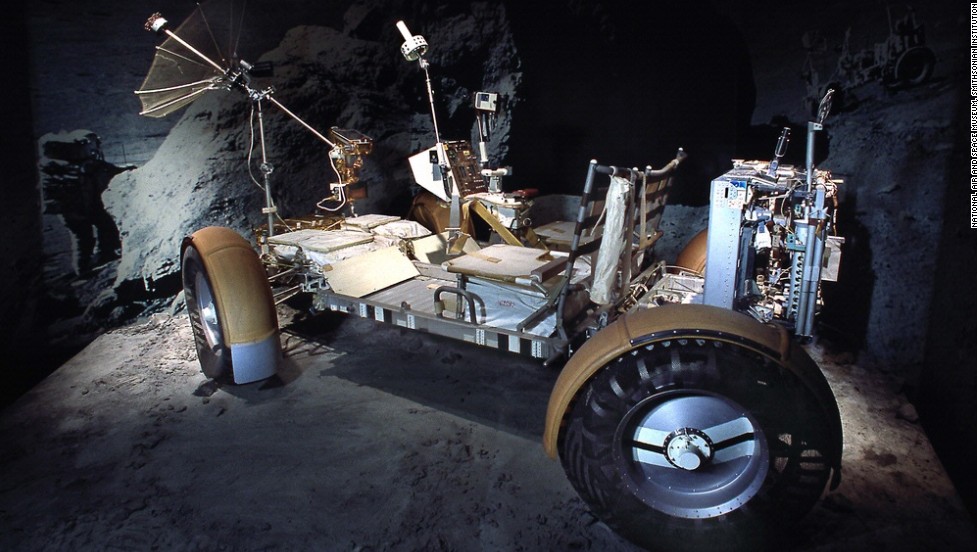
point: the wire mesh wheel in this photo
(698, 444)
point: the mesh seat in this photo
(509, 263)
(639, 198)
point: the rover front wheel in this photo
(230, 305)
(694, 255)
(691, 443)
(212, 353)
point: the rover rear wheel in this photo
(685, 444)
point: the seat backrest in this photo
(644, 201)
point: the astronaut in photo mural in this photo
(75, 173)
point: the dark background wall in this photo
(610, 80)
(22, 343)
(629, 85)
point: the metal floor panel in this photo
(417, 292)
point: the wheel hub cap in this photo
(693, 454)
(209, 313)
(688, 448)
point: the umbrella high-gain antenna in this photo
(202, 73)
